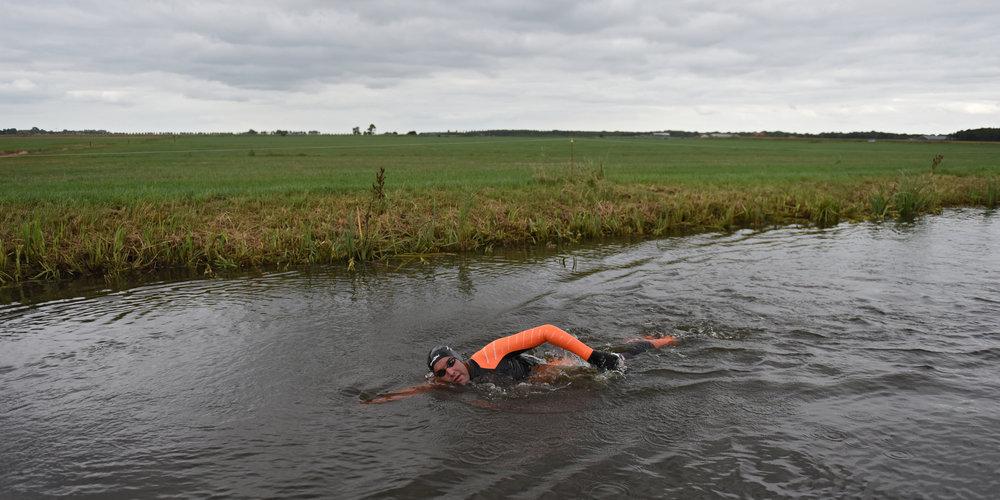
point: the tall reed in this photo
(878, 205)
(992, 197)
(913, 197)
(825, 212)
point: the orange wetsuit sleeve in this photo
(489, 356)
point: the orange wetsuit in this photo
(503, 358)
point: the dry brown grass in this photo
(52, 240)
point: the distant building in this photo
(935, 138)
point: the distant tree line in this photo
(41, 131)
(368, 131)
(681, 133)
(873, 134)
(547, 133)
(978, 134)
(984, 134)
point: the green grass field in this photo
(120, 169)
(107, 204)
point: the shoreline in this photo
(50, 240)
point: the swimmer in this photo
(506, 359)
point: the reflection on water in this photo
(855, 361)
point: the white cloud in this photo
(100, 96)
(19, 85)
(972, 108)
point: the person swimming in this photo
(505, 359)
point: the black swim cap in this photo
(438, 353)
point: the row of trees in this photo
(368, 131)
(281, 132)
(978, 134)
(680, 133)
(371, 131)
(42, 131)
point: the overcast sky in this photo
(807, 66)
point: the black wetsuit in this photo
(513, 367)
(517, 366)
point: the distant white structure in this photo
(661, 134)
(717, 135)
(935, 138)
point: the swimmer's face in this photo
(449, 369)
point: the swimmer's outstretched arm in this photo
(488, 357)
(401, 394)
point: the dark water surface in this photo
(862, 360)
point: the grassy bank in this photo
(105, 205)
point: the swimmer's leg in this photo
(661, 341)
(636, 347)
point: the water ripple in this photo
(857, 361)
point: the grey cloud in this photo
(704, 53)
(260, 46)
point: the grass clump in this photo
(825, 212)
(988, 194)
(912, 198)
(878, 205)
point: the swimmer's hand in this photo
(604, 360)
(369, 399)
